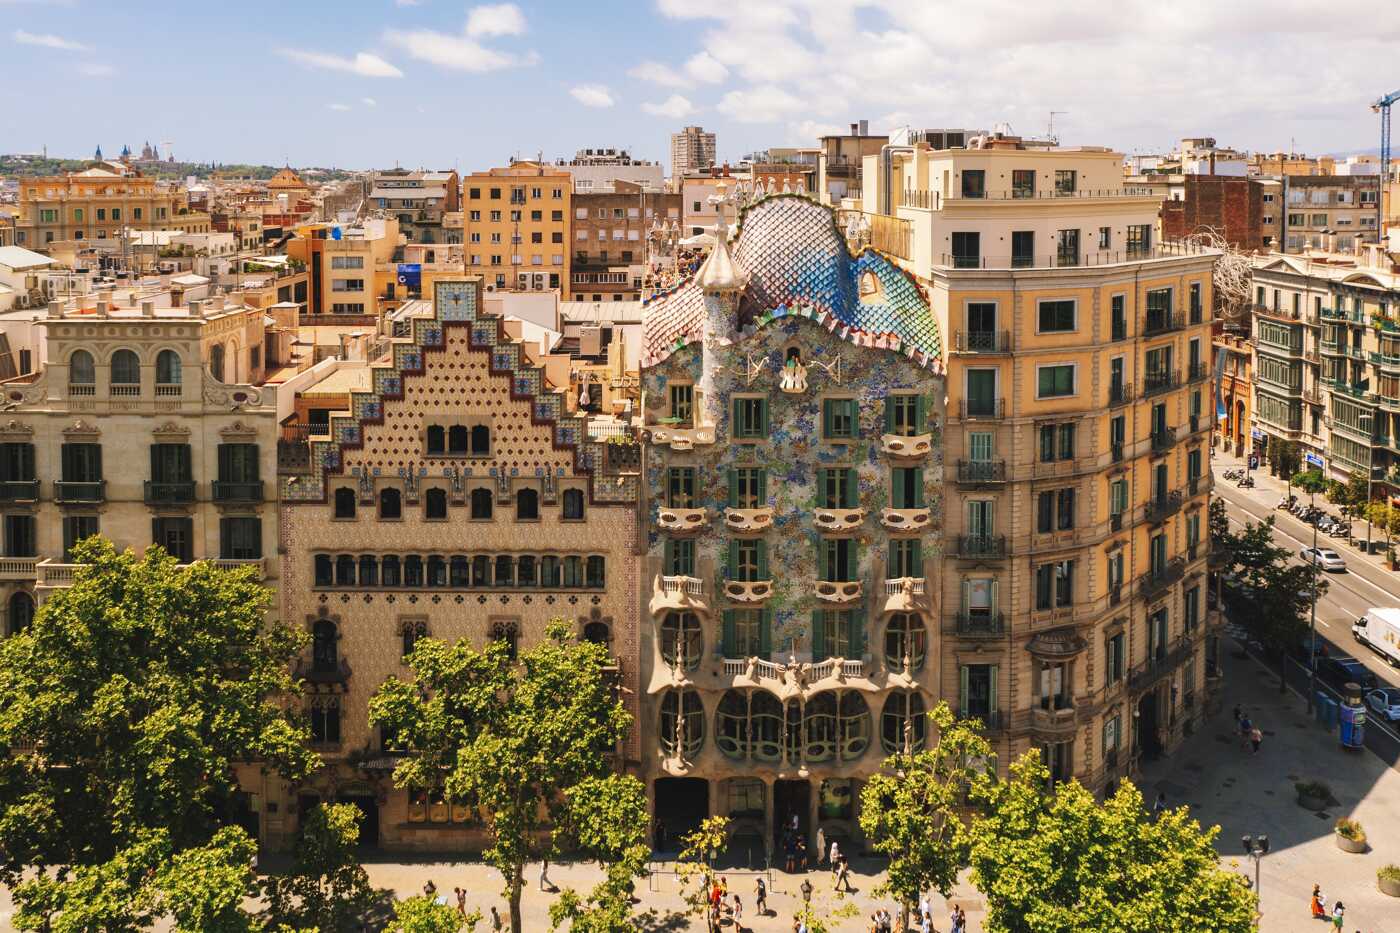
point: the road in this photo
(1364, 585)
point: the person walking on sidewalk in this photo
(1317, 902)
(1337, 914)
(1255, 738)
(760, 903)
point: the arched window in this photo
(573, 505)
(903, 711)
(435, 503)
(505, 570)
(168, 368)
(369, 570)
(682, 722)
(459, 571)
(819, 720)
(457, 439)
(325, 570)
(325, 720)
(681, 640)
(345, 570)
(324, 652)
(481, 504)
(437, 570)
(390, 503)
(391, 570)
(21, 612)
(766, 726)
(126, 368)
(597, 633)
(596, 578)
(481, 441)
(527, 505)
(481, 570)
(853, 726)
(906, 635)
(436, 443)
(732, 735)
(345, 502)
(526, 569)
(549, 572)
(508, 633)
(413, 570)
(216, 361)
(411, 630)
(573, 570)
(81, 371)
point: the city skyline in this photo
(426, 82)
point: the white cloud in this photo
(704, 67)
(592, 95)
(456, 52)
(765, 104)
(363, 64)
(96, 70)
(657, 73)
(49, 41)
(496, 19)
(339, 107)
(369, 101)
(674, 107)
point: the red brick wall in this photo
(1233, 206)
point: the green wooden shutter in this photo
(184, 467)
(225, 537)
(97, 462)
(733, 488)
(733, 573)
(852, 489)
(918, 474)
(157, 476)
(889, 414)
(226, 463)
(668, 559)
(819, 635)
(765, 633)
(966, 596)
(828, 409)
(763, 560)
(728, 642)
(763, 417)
(762, 487)
(852, 560)
(916, 558)
(962, 690)
(66, 456)
(855, 633)
(736, 421)
(920, 414)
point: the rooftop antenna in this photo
(1050, 130)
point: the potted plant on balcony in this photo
(1388, 880)
(1313, 795)
(1350, 836)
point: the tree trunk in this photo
(517, 881)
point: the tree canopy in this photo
(327, 888)
(124, 708)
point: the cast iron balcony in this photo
(1163, 439)
(19, 490)
(1119, 392)
(1161, 322)
(1163, 507)
(982, 341)
(1196, 372)
(981, 471)
(238, 492)
(988, 409)
(980, 546)
(66, 491)
(174, 493)
(988, 625)
(1153, 583)
(1159, 382)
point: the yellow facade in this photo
(517, 227)
(98, 204)
(349, 275)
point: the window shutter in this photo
(852, 488)
(728, 637)
(765, 633)
(993, 599)
(155, 532)
(157, 474)
(856, 633)
(255, 536)
(962, 691)
(762, 487)
(763, 560)
(819, 635)
(668, 559)
(225, 538)
(226, 462)
(735, 421)
(763, 417)
(185, 471)
(966, 595)
(67, 461)
(992, 702)
(97, 461)
(828, 407)
(889, 414)
(897, 489)
(252, 469)
(916, 558)
(920, 414)
(852, 559)
(733, 488)
(918, 474)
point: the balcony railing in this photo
(993, 409)
(1162, 661)
(1196, 372)
(322, 673)
(1156, 383)
(66, 491)
(162, 493)
(986, 625)
(1163, 439)
(1066, 259)
(1163, 507)
(1120, 393)
(1153, 583)
(19, 490)
(1161, 322)
(982, 341)
(238, 491)
(973, 546)
(981, 471)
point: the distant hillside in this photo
(23, 166)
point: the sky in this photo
(441, 83)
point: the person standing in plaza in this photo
(821, 844)
(1255, 738)
(1337, 912)
(1316, 902)
(738, 914)
(545, 883)
(760, 903)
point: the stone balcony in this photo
(906, 520)
(748, 521)
(682, 521)
(677, 594)
(1054, 722)
(21, 569)
(748, 592)
(839, 593)
(838, 521)
(902, 447)
(681, 438)
(905, 594)
(795, 676)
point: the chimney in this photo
(101, 308)
(855, 129)
(196, 307)
(148, 308)
(55, 309)
(865, 127)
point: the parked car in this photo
(1327, 558)
(1385, 703)
(1337, 672)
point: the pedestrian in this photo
(495, 920)
(430, 889)
(1245, 727)
(923, 904)
(760, 903)
(802, 852)
(461, 901)
(1317, 902)
(961, 926)
(1255, 737)
(738, 913)
(843, 877)
(953, 920)
(792, 821)
(545, 883)
(1160, 805)
(1337, 914)
(821, 844)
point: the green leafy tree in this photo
(423, 914)
(1057, 861)
(1385, 517)
(124, 709)
(694, 869)
(1270, 597)
(910, 811)
(517, 740)
(327, 887)
(606, 817)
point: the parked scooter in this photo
(1286, 502)
(1246, 483)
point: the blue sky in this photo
(366, 83)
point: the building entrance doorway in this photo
(1149, 743)
(369, 818)
(681, 805)
(791, 798)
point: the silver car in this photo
(1385, 703)
(1327, 558)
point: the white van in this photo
(1379, 630)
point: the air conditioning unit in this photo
(490, 288)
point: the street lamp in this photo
(1256, 847)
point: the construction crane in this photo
(1382, 107)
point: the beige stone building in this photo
(1076, 446)
(692, 150)
(455, 498)
(517, 227)
(99, 203)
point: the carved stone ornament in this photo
(239, 429)
(171, 429)
(15, 430)
(80, 427)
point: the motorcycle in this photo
(1246, 483)
(1286, 502)
(1340, 530)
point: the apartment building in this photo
(792, 394)
(517, 227)
(1075, 446)
(612, 233)
(454, 498)
(1327, 360)
(840, 162)
(1235, 393)
(98, 203)
(348, 267)
(419, 201)
(598, 170)
(1328, 212)
(146, 425)
(692, 150)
